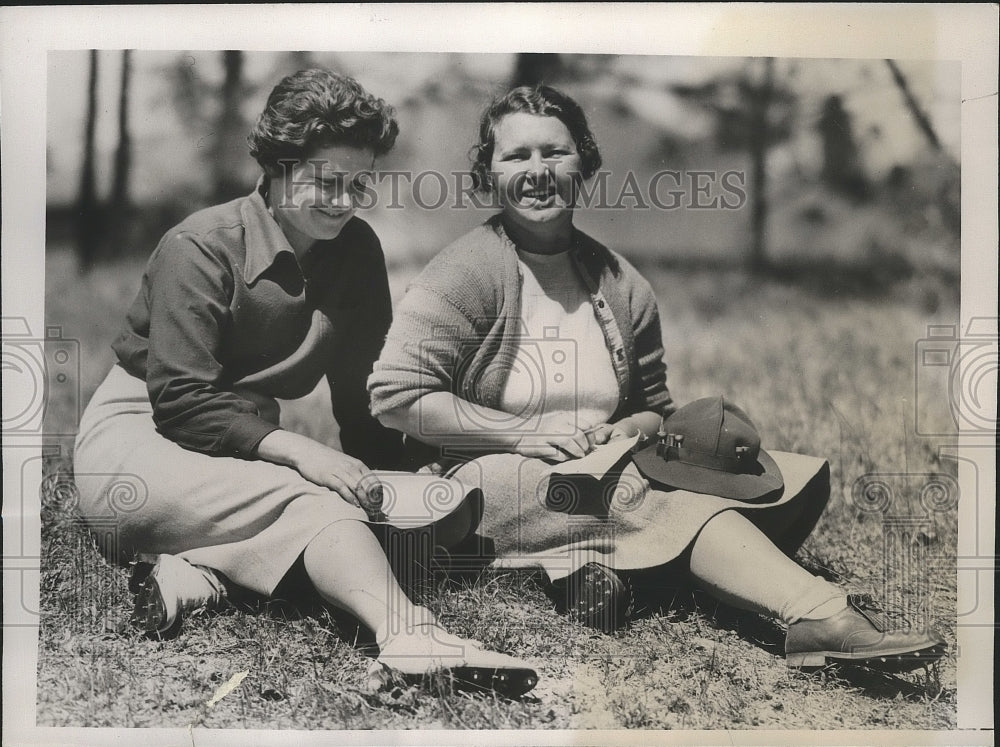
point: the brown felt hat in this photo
(711, 446)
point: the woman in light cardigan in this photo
(526, 343)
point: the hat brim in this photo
(763, 485)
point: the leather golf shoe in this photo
(597, 597)
(860, 635)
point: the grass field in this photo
(822, 369)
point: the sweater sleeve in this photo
(423, 352)
(361, 435)
(649, 385)
(189, 294)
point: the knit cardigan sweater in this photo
(461, 319)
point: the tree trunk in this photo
(88, 220)
(759, 137)
(299, 60)
(123, 155)
(922, 120)
(842, 165)
(532, 68)
(229, 145)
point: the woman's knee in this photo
(337, 538)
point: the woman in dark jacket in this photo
(242, 303)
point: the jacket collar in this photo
(263, 236)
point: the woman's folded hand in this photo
(343, 474)
(554, 436)
(606, 432)
(350, 478)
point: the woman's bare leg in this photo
(349, 569)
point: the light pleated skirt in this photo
(533, 521)
(141, 492)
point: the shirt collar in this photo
(263, 236)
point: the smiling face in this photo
(538, 168)
(313, 200)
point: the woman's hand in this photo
(442, 419)
(607, 432)
(350, 478)
(343, 474)
(556, 438)
(643, 424)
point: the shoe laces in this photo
(883, 618)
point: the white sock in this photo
(815, 601)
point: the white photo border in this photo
(963, 32)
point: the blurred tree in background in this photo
(102, 224)
(843, 163)
(842, 167)
(89, 225)
(213, 112)
(229, 148)
(922, 120)
(532, 68)
(123, 154)
(752, 112)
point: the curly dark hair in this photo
(315, 108)
(542, 100)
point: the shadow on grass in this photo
(885, 686)
(664, 592)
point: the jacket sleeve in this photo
(189, 294)
(649, 386)
(361, 435)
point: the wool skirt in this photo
(141, 492)
(531, 520)
(251, 519)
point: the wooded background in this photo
(849, 164)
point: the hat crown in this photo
(711, 446)
(714, 427)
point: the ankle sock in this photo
(403, 624)
(814, 601)
(828, 608)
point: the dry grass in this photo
(820, 373)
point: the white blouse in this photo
(561, 362)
